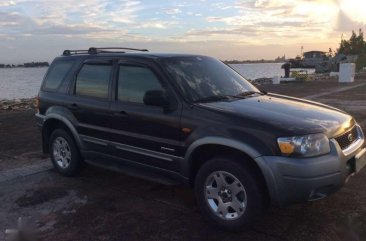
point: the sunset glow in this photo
(242, 29)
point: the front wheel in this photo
(64, 153)
(229, 194)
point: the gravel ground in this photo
(102, 205)
(20, 139)
(307, 88)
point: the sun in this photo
(355, 9)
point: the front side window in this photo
(93, 80)
(56, 74)
(134, 82)
(203, 77)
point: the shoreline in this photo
(28, 103)
(17, 104)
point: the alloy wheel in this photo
(61, 152)
(225, 195)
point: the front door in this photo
(145, 134)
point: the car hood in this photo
(297, 116)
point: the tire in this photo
(64, 153)
(229, 194)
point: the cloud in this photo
(172, 11)
(345, 23)
(287, 21)
(229, 22)
(14, 23)
(242, 31)
(68, 18)
(93, 16)
(354, 9)
(67, 30)
(154, 24)
(7, 3)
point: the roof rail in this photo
(68, 52)
(94, 50)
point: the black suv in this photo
(192, 119)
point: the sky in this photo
(39, 30)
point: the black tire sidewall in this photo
(75, 163)
(253, 189)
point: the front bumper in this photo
(293, 180)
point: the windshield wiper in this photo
(227, 97)
(212, 98)
(247, 93)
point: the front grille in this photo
(347, 138)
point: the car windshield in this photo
(204, 78)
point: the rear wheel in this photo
(229, 194)
(64, 153)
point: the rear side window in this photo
(93, 80)
(56, 74)
(134, 82)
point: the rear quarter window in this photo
(56, 74)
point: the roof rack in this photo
(68, 52)
(94, 50)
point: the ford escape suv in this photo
(191, 119)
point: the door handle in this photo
(121, 114)
(74, 107)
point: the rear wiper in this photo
(212, 98)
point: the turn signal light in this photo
(286, 148)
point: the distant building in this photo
(280, 59)
(314, 58)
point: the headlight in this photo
(305, 146)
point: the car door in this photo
(145, 134)
(90, 102)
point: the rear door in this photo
(146, 134)
(90, 102)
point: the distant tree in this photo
(354, 46)
(36, 64)
(330, 53)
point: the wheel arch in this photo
(203, 149)
(54, 121)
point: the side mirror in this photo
(156, 98)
